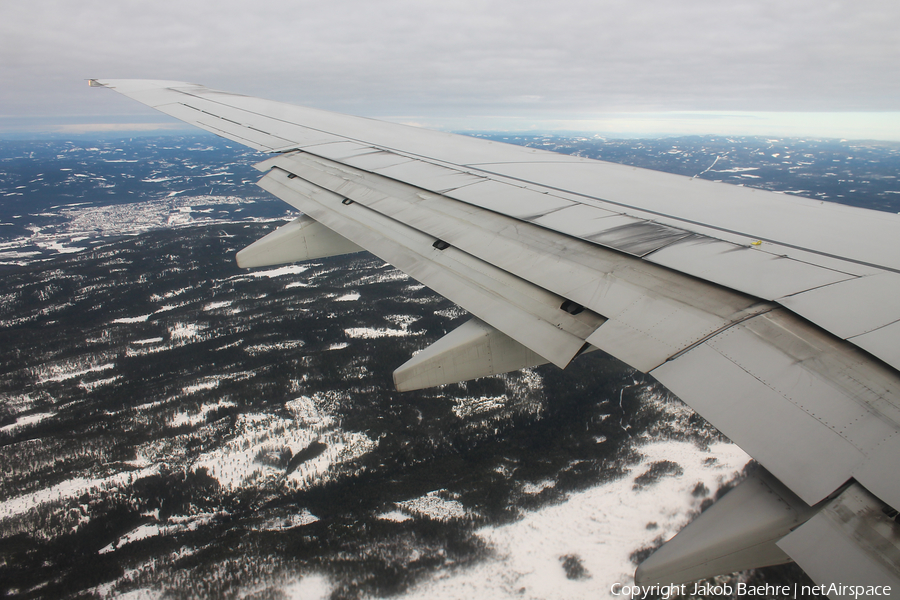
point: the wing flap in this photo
(851, 542)
(472, 350)
(301, 239)
(738, 532)
(773, 379)
(530, 315)
(652, 313)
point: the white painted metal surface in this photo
(472, 350)
(515, 201)
(851, 542)
(653, 313)
(743, 267)
(523, 311)
(301, 239)
(810, 408)
(809, 232)
(737, 533)
(673, 275)
(882, 342)
(852, 307)
(824, 227)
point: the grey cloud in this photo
(398, 57)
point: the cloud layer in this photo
(419, 59)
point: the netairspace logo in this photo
(742, 589)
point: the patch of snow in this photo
(466, 407)
(309, 411)
(258, 349)
(403, 321)
(217, 305)
(206, 384)
(149, 530)
(140, 460)
(234, 463)
(90, 386)
(736, 170)
(603, 526)
(141, 533)
(439, 505)
(128, 320)
(141, 594)
(341, 447)
(69, 370)
(26, 421)
(311, 587)
(537, 488)
(194, 419)
(397, 516)
(279, 272)
(58, 246)
(71, 488)
(168, 295)
(451, 313)
(184, 331)
(371, 333)
(289, 522)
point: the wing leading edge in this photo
(745, 303)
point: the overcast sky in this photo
(801, 67)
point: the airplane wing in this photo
(775, 317)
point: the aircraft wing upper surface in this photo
(773, 316)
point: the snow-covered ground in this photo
(67, 490)
(234, 464)
(601, 526)
(81, 226)
(439, 505)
